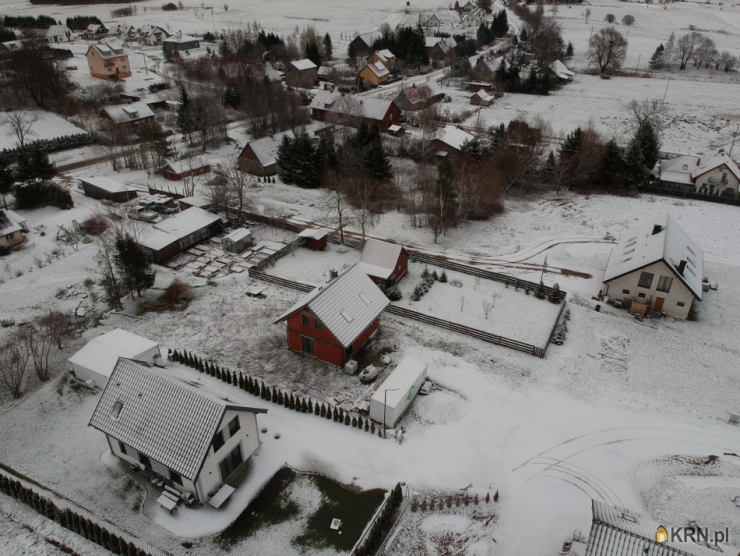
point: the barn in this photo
(176, 170)
(336, 320)
(107, 189)
(384, 262)
(176, 234)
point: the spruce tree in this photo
(286, 401)
(649, 144)
(229, 379)
(656, 60)
(635, 162)
(207, 369)
(323, 410)
(299, 404)
(354, 422)
(274, 395)
(328, 48)
(367, 425)
(133, 265)
(33, 164)
(241, 381)
(232, 96)
(310, 406)
(304, 406)
(185, 124)
(312, 53)
(375, 161)
(291, 403)
(569, 50)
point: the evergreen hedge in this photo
(10, 156)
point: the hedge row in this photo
(51, 145)
(382, 524)
(286, 399)
(69, 519)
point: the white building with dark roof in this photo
(58, 33)
(656, 264)
(182, 433)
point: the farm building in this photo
(656, 265)
(362, 45)
(385, 56)
(561, 71)
(179, 43)
(392, 398)
(475, 86)
(334, 321)
(12, 228)
(108, 61)
(237, 241)
(718, 175)
(258, 156)
(315, 239)
(481, 98)
(418, 97)
(616, 531)
(191, 439)
(175, 234)
(450, 141)
(352, 110)
(383, 261)
(107, 189)
(189, 202)
(176, 170)
(374, 73)
(98, 358)
(485, 68)
(301, 73)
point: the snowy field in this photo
(46, 125)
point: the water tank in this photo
(350, 367)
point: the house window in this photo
(218, 441)
(646, 280)
(664, 284)
(117, 407)
(175, 477)
(145, 461)
(234, 426)
(9, 237)
(230, 462)
(680, 304)
(122, 447)
(319, 326)
(306, 320)
(626, 292)
(641, 295)
(307, 345)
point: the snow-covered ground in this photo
(41, 125)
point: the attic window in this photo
(625, 260)
(628, 517)
(117, 407)
(657, 229)
(346, 316)
(690, 251)
(365, 298)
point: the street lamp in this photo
(385, 405)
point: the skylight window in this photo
(117, 407)
(346, 316)
(365, 298)
(630, 251)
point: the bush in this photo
(178, 294)
(43, 193)
(96, 225)
(628, 20)
(170, 7)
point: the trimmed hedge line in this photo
(382, 524)
(56, 144)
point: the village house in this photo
(475, 86)
(655, 265)
(481, 98)
(439, 48)
(385, 56)
(485, 68)
(429, 21)
(128, 116)
(176, 170)
(100, 355)
(108, 61)
(150, 35)
(179, 232)
(58, 33)
(449, 141)
(473, 18)
(301, 73)
(179, 43)
(717, 175)
(374, 73)
(561, 71)
(468, 7)
(107, 189)
(258, 157)
(384, 262)
(362, 45)
(418, 97)
(352, 110)
(191, 439)
(95, 31)
(12, 228)
(334, 321)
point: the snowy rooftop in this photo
(177, 227)
(560, 69)
(491, 63)
(369, 38)
(678, 170)
(8, 222)
(313, 233)
(184, 165)
(619, 532)
(369, 107)
(379, 258)
(129, 112)
(108, 50)
(179, 38)
(385, 55)
(715, 162)
(194, 201)
(238, 234)
(658, 240)
(56, 31)
(378, 69)
(400, 380)
(101, 353)
(265, 149)
(167, 420)
(346, 306)
(107, 184)
(454, 137)
(304, 64)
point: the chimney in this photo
(657, 229)
(681, 267)
(698, 161)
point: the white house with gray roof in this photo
(177, 430)
(716, 175)
(658, 265)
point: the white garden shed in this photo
(398, 391)
(237, 241)
(98, 358)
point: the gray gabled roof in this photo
(266, 148)
(619, 532)
(654, 241)
(379, 258)
(167, 420)
(346, 306)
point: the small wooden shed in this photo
(237, 241)
(107, 189)
(316, 239)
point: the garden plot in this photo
(312, 267)
(208, 260)
(462, 299)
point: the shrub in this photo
(96, 225)
(43, 193)
(177, 295)
(170, 7)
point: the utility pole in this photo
(145, 68)
(666, 89)
(733, 140)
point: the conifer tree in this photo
(367, 425)
(304, 406)
(274, 395)
(328, 47)
(310, 406)
(656, 60)
(292, 401)
(185, 121)
(133, 265)
(323, 410)
(286, 401)
(354, 422)
(280, 397)
(346, 419)
(241, 381)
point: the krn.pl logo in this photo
(661, 535)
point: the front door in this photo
(658, 304)
(307, 345)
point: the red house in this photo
(382, 261)
(334, 321)
(352, 110)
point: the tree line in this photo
(695, 48)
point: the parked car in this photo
(368, 374)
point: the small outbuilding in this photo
(237, 241)
(98, 358)
(189, 202)
(394, 396)
(179, 232)
(450, 140)
(301, 73)
(258, 157)
(481, 98)
(315, 239)
(384, 262)
(107, 189)
(12, 228)
(176, 170)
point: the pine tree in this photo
(649, 144)
(323, 410)
(359, 422)
(133, 265)
(304, 406)
(656, 60)
(286, 401)
(336, 415)
(569, 50)
(232, 96)
(312, 53)
(375, 160)
(328, 47)
(354, 422)
(299, 404)
(229, 379)
(635, 162)
(372, 427)
(310, 406)
(347, 420)
(274, 395)
(291, 404)
(241, 381)
(367, 425)
(219, 375)
(329, 413)
(530, 84)
(495, 497)
(502, 72)
(185, 124)
(207, 369)
(280, 397)
(33, 164)
(443, 277)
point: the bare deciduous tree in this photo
(191, 177)
(22, 123)
(607, 50)
(13, 365)
(57, 325)
(362, 194)
(38, 344)
(648, 110)
(487, 306)
(686, 47)
(337, 209)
